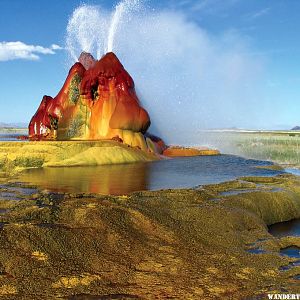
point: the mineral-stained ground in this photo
(15, 157)
(171, 244)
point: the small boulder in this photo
(87, 60)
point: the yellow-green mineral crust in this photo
(179, 244)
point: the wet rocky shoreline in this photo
(211, 242)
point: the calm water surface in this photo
(122, 179)
(11, 137)
(288, 228)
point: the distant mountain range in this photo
(13, 125)
(296, 128)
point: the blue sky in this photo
(268, 28)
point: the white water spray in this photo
(93, 30)
(122, 9)
(85, 31)
(187, 78)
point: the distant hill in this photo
(13, 125)
(296, 128)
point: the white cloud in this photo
(204, 6)
(260, 13)
(56, 47)
(20, 50)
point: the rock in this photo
(97, 101)
(87, 60)
(176, 151)
(117, 139)
(22, 137)
(156, 142)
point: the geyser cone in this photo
(98, 101)
(109, 91)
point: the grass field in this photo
(279, 146)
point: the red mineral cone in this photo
(97, 101)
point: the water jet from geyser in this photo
(91, 29)
(122, 8)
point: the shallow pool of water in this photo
(289, 228)
(294, 171)
(291, 251)
(11, 137)
(165, 174)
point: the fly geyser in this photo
(97, 101)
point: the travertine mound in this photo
(98, 101)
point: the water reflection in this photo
(289, 228)
(291, 251)
(293, 171)
(123, 179)
(11, 137)
(111, 179)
